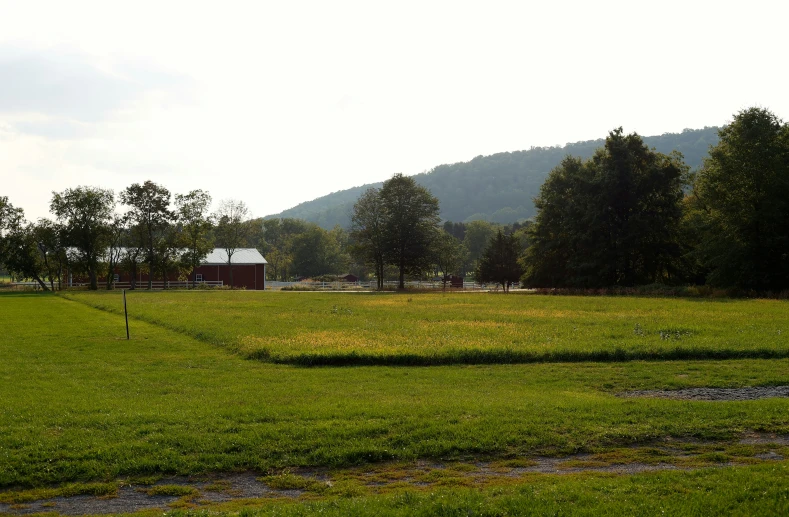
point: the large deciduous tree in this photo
(610, 220)
(231, 228)
(150, 212)
(743, 190)
(500, 261)
(368, 232)
(85, 213)
(192, 211)
(411, 225)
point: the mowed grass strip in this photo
(461, 328)
(79, 403)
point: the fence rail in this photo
(364, 286)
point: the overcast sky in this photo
(276, 103)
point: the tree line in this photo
(632, 216)
(157, 234)
(627, 215)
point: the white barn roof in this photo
(218, 257)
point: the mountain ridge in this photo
(499, 187)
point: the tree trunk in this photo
(94, 285)
(41, 283)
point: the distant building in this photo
(249, 268)
(249, 271)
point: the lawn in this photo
(472, 328)
(80, 403)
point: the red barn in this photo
(249, 271)
(249, 268)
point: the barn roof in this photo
(218, 257)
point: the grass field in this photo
(475, 328)
(79, 403)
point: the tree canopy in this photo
(150, 211)
(411, 224)
(743, 192)
(610, 220)
(85, 213)
(500, 261)
(396, 225)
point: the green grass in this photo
(79, 402)
(476, 328)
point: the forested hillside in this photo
(499, 187)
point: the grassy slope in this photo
(331, 328)
(77, 401)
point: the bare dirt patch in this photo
(748, 393)
(208, 491)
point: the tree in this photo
(20, 253)
(85, 213)
(49, 238)
(231, 228)
(368, 232)
(168, 252)
(132, 259)
(317, 252)
(9, 217)
(743, 189)
(448, 255)
(150, 213)
(500, 261)
(477, 235)
(610, 220)
(411, 224)
(192, 212)
(115, 233)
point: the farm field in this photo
(473, 328)
(79, 404)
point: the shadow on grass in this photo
(8, 293)
(514, 357)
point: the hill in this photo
(499, 187)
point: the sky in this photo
(277, 103)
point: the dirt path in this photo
(207, 491)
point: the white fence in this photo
(154, 285)
(365, 286)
